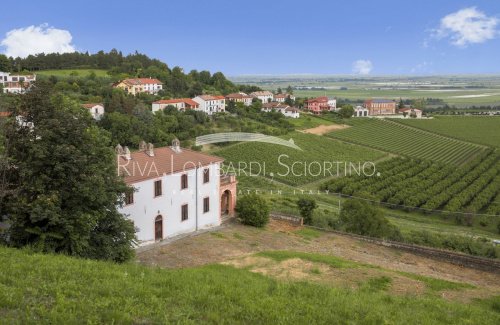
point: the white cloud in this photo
(362, 67)
(467, 26)
(422, 67)
(37, 39)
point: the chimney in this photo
(142, 145)
(126, 153)
(150, 150)
(119, 150)
(176, 146)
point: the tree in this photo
(253, 210)
(64, 171)
(401, 104)
(279, 91)
(5, 65)
(361, 218)
(289, 90)
(306, 209)
(346, 111)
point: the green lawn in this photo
(73, 72)
(405, 140)
(44, 289)
(306, 121)
(478, 129)
(317, 159)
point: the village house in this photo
(284, 109)
(410, 112)
(380, 106)
(176, 191)
(182, 104)
(240, 98)
(317, 105)
(264, 96)
(332, 103)
(360, 111)
(135, 86)
(95, 109)
(280, 98)
(211, 104)
(16, 84)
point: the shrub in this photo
(306, 209)
(253, 210)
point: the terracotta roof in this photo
(211, 97)
(282, 95)
(4, 114)
(142, 81)
(165, 161)
(261, 93)
(188, 101)
(380, 100)
(238, 96)
(91, 105)
(274, 105)
(318, 99)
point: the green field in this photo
(73, 291)
(478, 129)
(307, 121)
(404, 140)
(73, 72)
(297, 167)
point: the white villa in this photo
(280, 98)
(176, 190)
(211, 104)
(182, 104)
(332, 103)
(95, 109)
(284, 109)
(410, 112)
(15, 83)
(264, 96)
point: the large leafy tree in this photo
(64, 170)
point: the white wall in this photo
(146, 207)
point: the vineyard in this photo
(317, 159)
(477, 129)
(429, 185)
(408, 141)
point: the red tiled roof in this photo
(211, 97)
(5, 114)
(238, 96)
(262, 93)
(164, 162)
(188, 101)
(90, 105)
(142, 81)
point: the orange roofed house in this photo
(135, 86)
(211, 104)
(176, 190)
(182, 104)
(240, 98)
(380, 107)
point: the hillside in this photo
(67, 290)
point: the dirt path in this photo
(236, 241)
(322, 129)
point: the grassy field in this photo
(306, 121)
(478, 129)
(73, 72)
(404, 140)
(72, 291)
(315, 161)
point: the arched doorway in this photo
(225, 203)
(158, 228)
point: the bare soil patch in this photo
(323, 129)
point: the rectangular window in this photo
(184, 212)
(206, 175)
(157, 188)
(206, 205)
(129, 198)
(184, 181)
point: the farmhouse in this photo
(136, 86)
(16, 84)
(95, 109)
(264, 96)
(176, 190)
(380, 106)
(280, 98)
(360, 111)
(182, 104)
(284, 109)
(211, 104)
(317, 105)
(240, 98)
(410, 112)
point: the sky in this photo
(270, 37)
